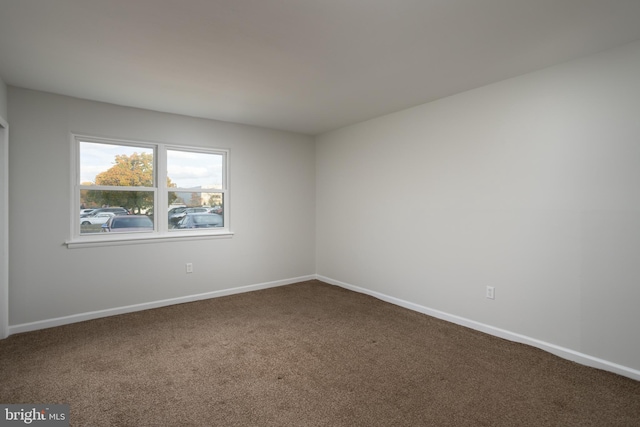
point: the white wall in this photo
(530, 185)
(4, 229)
(272, 184)
(3, 99)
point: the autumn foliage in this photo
(135, 170)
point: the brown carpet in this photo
(308, 354)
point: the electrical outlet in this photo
(189, 267)
(491, 292)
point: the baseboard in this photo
(59, 321)
(559, 351)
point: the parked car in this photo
(99, 218)
(181, 212)
(86, 212)
(176, 209)
(216, 210)
(127, 224)
(201, 220)
(115, 211)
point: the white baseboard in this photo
(59, 321)
(563, 352)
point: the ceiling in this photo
(307, 66)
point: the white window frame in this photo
(161, 231)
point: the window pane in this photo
(191, 170)
(182, 203)
(115, 165)
(108, 203)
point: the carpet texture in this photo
(308, 354)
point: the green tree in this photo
(135, 170)
(215, 199)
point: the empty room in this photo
(320, 213)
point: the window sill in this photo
(142, 238)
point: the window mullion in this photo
(162, 198)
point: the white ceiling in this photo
(308, 66)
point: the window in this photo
(168, 185)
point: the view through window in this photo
(160, 188)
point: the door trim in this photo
(4, 229)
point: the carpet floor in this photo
(308, 354)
